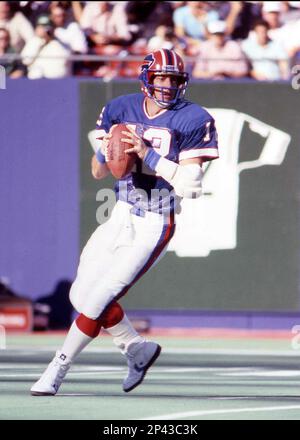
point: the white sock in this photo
(124, 334)
(74, 343)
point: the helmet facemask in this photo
(151, 89)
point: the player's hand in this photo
(138, 145)
(104, 145)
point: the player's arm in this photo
(102, 134)
(185, 177)
(99, 168)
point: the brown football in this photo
(119, 162)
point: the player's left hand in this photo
(139, 146)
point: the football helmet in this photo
(163, 62)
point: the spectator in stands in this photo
(290, 11)
(269, 60)
(290, 39)
(165, 38)
(108, 32)
(13, 68)
(20, 29)
(288, 34)
(34, 9)
(220, 57)
(44, 55)
(239, 17)
(271, 13)
(104, 24)
(148, 15)
(67, 32)
(175, 4)
(191, 21)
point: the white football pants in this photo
(117, 254)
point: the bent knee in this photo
(74, 296)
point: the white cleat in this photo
(52, 377)
(140, 357)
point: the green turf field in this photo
(193, 379)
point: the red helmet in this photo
(160, 62)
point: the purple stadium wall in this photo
(39, 184)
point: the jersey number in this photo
(159, 138)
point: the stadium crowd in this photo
(217, 39)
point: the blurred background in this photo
(235, 258)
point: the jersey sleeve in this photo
(201, 142)
(103, 123)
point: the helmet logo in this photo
(148, 62)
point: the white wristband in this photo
(163, 167)
(94, 136)
(185, 179)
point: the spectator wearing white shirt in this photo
(290, 11)
(67, 32)
(13, 68)
(102, 25)
(286, 33)
(220, 57)
(271, 13)
(288, 36)
(269, 60)
(44, 56)
(165, 38)
(20, 29)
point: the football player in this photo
(172, 137)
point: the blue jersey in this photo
(184, 131)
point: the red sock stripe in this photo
(112, 315)
(88, 326)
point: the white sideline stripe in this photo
(74, 367)
(234, 398)
(220, 411)
(264, 373)
(19, 375)
(217, 370)
(75, 373)
(75, 395)
(232, 351)
(221, 351)
(220, 371)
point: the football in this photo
(119, 162)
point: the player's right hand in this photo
(138, 145)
